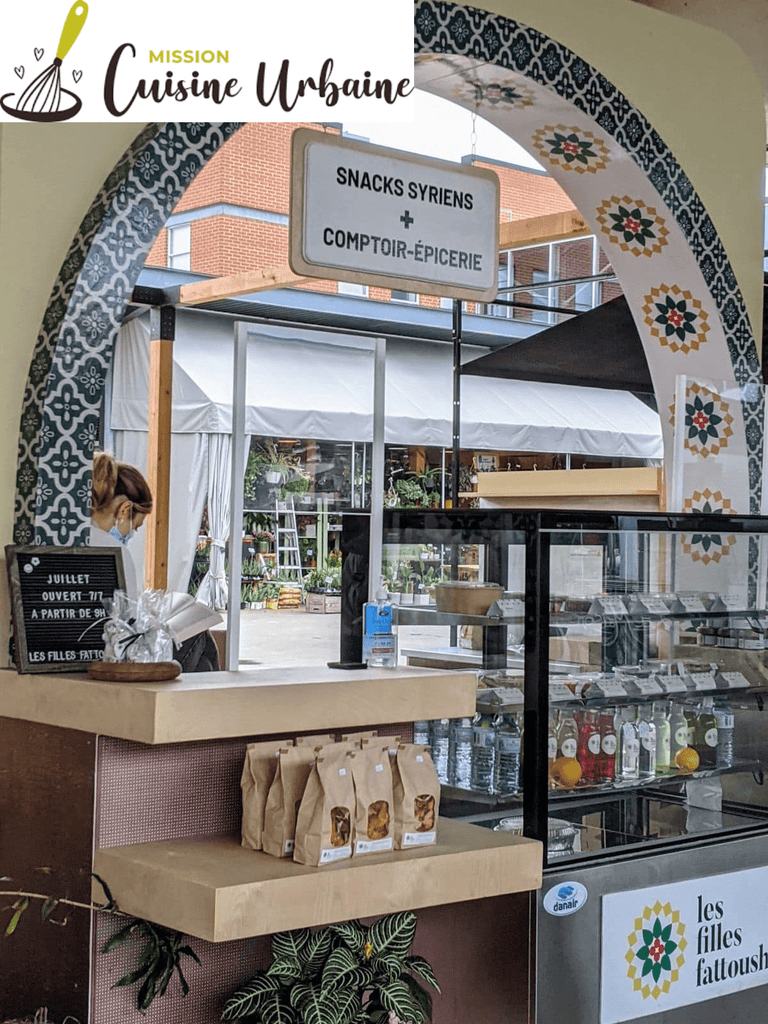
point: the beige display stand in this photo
(89, 766)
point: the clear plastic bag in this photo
(137, 630)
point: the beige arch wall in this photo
(49, 174)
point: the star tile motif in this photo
(571, 149)
(677, 319)
(707, 547)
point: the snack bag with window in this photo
(416, 798)
(372, 775)
(325, 821)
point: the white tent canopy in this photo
(315, 385)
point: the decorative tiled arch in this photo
(65, 385)
(459, 43)
(62, 399)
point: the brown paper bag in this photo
(325, 822)
(388, 743)
(315, 741)
(356, 738)
(372, 775)
(293, 768)
(416, 798)
(258, 775)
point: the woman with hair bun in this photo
(120, 502)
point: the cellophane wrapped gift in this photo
(138, 630)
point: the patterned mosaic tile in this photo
(571, 149)
(632, 225)
(675, 318)
(707, 547)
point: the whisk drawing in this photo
(45, 99)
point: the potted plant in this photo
(264, 540)
(345, 972)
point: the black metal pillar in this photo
(355, 541)
(536, 713)
(456, 438)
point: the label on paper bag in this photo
(419, 838)
(339, 853)
(373, 845)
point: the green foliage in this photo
(159, 959)
(410, 493)
(323, 578)
(346, 973)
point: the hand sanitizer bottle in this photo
(379, 639)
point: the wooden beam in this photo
(237, 284)
(162, 330)
(537, 230)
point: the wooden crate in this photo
(323, 604)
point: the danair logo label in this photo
(565, 898)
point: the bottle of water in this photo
(439, 741)
(508, 743)
(421, 733)
(646, 734)
(724, 716)
(663, 736)
(461, 753)
(629, 745)
(483, 753)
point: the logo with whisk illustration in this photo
(45, 98)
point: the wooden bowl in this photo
(134, 671)
(465, 597)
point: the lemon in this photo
(687, 760)
(566, 771)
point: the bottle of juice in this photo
(589, 748)
(607, 759)
(705, 736)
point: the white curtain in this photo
(213, 588)
(189, 480)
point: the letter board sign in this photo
(57, 601)
(370, 215)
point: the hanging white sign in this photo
(676, 945)
(370, 215)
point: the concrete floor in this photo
(296, 637)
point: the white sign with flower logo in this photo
(676, 945)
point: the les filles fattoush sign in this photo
(370, 215)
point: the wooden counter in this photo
(214, 889)
(217, 705)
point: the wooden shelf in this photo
(639, 488)
(254, 702)
(212, 888)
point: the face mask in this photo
(114, 532)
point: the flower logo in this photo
(655, 953)
(707, 547)
(571, 149)
(676, 318)
(503, 92)
(632, 225)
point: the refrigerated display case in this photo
(627, 664)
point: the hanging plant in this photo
(343, 974)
